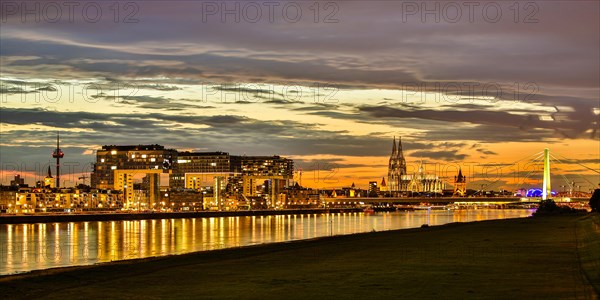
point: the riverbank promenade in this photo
(549, 257)
(124, 216)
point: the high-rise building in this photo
(243, 173)
(276, 170)
(374, 189)
(396, 167)
(194, 170)
(129, 159)
(267, 166)
(116, 167)
(207, 172)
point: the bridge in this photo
(439, 200)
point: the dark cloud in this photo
(158, 87)
(331, 164)
(245, 90)
(158, 103)
(354, 50)
(439, 155)
(486, 152)
(282, 102)
(243, 134)
(571, 126)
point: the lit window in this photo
(113, 167)
(152, 159)
(102, 160)
(113, 152)
(132, 155)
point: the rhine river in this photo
(27, 247)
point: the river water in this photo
(26, 247)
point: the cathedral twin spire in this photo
(397, 150)
(397, 166)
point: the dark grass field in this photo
(553, 257)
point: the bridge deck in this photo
(413, 200)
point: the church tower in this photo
(49, 181)
(383, 186)
(460, 184)
(396, 167)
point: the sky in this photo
(482, 86)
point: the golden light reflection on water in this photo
(26, 247)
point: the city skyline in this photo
(329, 90)
(484, 175)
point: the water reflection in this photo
(26, 247)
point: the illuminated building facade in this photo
(272, 172)
(383, 186)
(194, 170)
(460, 184)
(401, 182)
(28, 200)
(267, 166)
(216, 175)
(140, 157)
(116, 167)
(421, 182)
(49, 181)
(374, 189)
(223, 174)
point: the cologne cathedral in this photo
(396, 167)
(400, 181)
